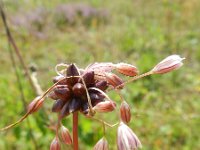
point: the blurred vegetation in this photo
(166, 109)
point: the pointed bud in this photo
(114, 80)
(105, 106)
(35, 105)
(65, 135)
(102, 144)
(125, 112)
(55, 144)
(126, 138)
(127, 69)
(72, 70)
(168, 64)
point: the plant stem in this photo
(75, 130)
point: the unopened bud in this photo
(168, 64)
(35, 105)
(102, 144)
(105, 106)
(55, 144)
(125, 112)
(127, 69)
(65, 135)
(114, 80)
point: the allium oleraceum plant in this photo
(84, 91)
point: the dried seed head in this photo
(35, 105)
(127, 69)
(168, 64)
(55, 144)
(78, 89)
(58, 105)
(126, 138)
(65, 135)
(114, 80)
(125, 112)
(102, 144)
(105, 106)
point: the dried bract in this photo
(65, 135)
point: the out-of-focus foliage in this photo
(166, 109)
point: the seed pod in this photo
(105, 106)
(126, 69)
(78, 89)
(125, 112)
(35, 105)
(114, 80)
(52, 95)
(72, 70)
(57, 78)
(102, 144)
(62, 92)
(58, 105)
(55, 144)
(84, 108)
(65, 110)
(74, 105)
(102, 85)
(65, 135)
(88, 77)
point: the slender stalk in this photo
(75, 130)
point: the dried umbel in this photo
(85, 90)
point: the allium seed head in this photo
(168, 64)
(126, 138)
(102, 144)
(125, 112)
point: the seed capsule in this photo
(58, 105)
(62, 92)
(74, 105)
(126, 69)
(72, 70)
(114, 80)
(102, 85)
(88, 77)
(78, 89)
(125, 112)
(65, 110)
